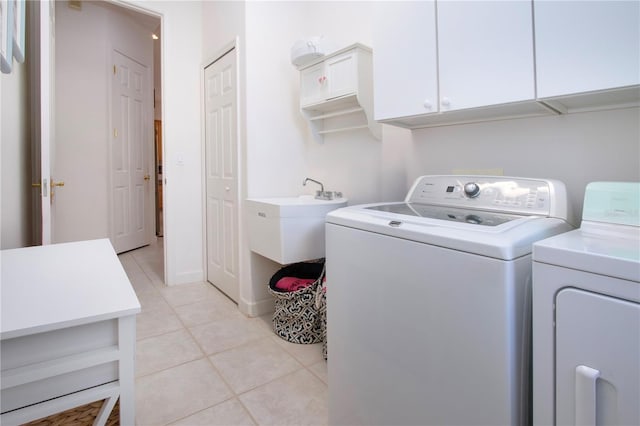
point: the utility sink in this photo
(289, 229)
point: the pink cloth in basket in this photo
(293, 283)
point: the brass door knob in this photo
(57, 183)
(147, 177)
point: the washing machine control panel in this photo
(493, 193)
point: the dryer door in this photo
(597, 359)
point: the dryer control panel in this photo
(543, 197)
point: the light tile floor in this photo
(199, 361)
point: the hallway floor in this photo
(199, 361)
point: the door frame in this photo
(41, 17)
(227, 48)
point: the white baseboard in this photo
(256, 309)
(186, 277)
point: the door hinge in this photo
(115, 133)
(114, 70)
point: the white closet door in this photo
(221, 151)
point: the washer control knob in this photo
(471, 190)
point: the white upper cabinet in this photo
(332, 78)
(458, 61)
(342, 74)
(586, 46)
(405, 63)
(485, 53)
(336, 92)
(447, 61)
(312, 84)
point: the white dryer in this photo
(586, 314)
(429, 301)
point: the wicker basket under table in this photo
(83, 415)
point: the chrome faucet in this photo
(304, 183)
(322, 194)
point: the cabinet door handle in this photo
(445, 102)
(322, 79)
(585, 395)
(427, 104)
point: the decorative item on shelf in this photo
(309, 49)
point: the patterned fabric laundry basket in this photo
(296, 318)
(321, 306)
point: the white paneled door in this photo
(221, 168)
(132, 188)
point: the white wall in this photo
(576, 149)
(282, 151)
(15, 159)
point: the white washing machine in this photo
(429, 301)
(586, 314)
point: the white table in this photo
(67, 331)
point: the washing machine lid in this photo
(499, 235)
(452, 214)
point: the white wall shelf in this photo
(336, 92)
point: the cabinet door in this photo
(586, 45)
(405, 59)
(602, 334)
(485, 51)
(312, 84)
(341, 75)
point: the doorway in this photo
(84, 37)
